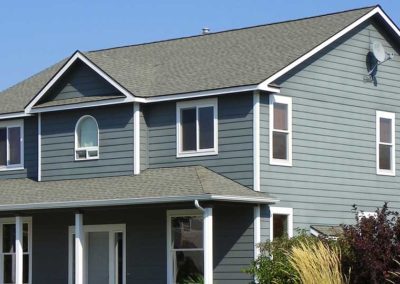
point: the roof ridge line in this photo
(229, 30)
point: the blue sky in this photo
(39, 33)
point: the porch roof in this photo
(163, 185)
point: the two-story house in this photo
(169, 161)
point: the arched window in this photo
(86, 138)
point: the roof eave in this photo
(268, 83)
(136, 201)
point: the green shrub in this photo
(273, 265)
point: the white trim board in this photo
(111, 229)
(263, 86)
(132, 201)
(196, 104)
(281, 211)
(392, 117)
(193, 95)
(285, 101)
(136, 138)
(177, 213)
(256, 141)
(76, 56)
(378, 10)
(86, 149)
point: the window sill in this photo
(87, 159)
(284, 163)
(16, 168)
(197, 154)
(385, 173)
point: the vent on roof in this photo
(205, 31)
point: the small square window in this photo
(197, 125)
(281, 222)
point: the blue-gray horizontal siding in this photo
(233, 243)
(115, 150)
(334, 160)
(30, 153)
(235, 138)
(146, 233)
(80, 81)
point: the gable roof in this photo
(236, 58)
(163, 185)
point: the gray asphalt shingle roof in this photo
(218, 60)
(151, 186)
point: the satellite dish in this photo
(378, 50)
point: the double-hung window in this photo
(385, 143)
(280, 130)
(185, 247)
(197, 128)
(7, 251)
(11, 145)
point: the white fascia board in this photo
(326, 43)
(166, 98)
(82, 105)
(14, 115)
(201, 94)
(77, 56)
(388, 21)
(136, 201)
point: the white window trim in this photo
(365, 214)
(11, 124)
(111, 229)
(95, 148)
(281, 100)
(391, 116)
(27, 220)
(177, 213)
(281, 211)
(213, 102)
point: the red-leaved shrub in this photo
(371, 246)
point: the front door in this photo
(104, 254)
(98, 257)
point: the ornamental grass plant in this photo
(317, 263)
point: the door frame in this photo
(111, 229)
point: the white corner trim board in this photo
(136, 138)
(39, 174)
(256, 140)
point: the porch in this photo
(129, 244)
(144, 236)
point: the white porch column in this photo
(19, 253)
(257, 230)
(79, 244)
(208, 245)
